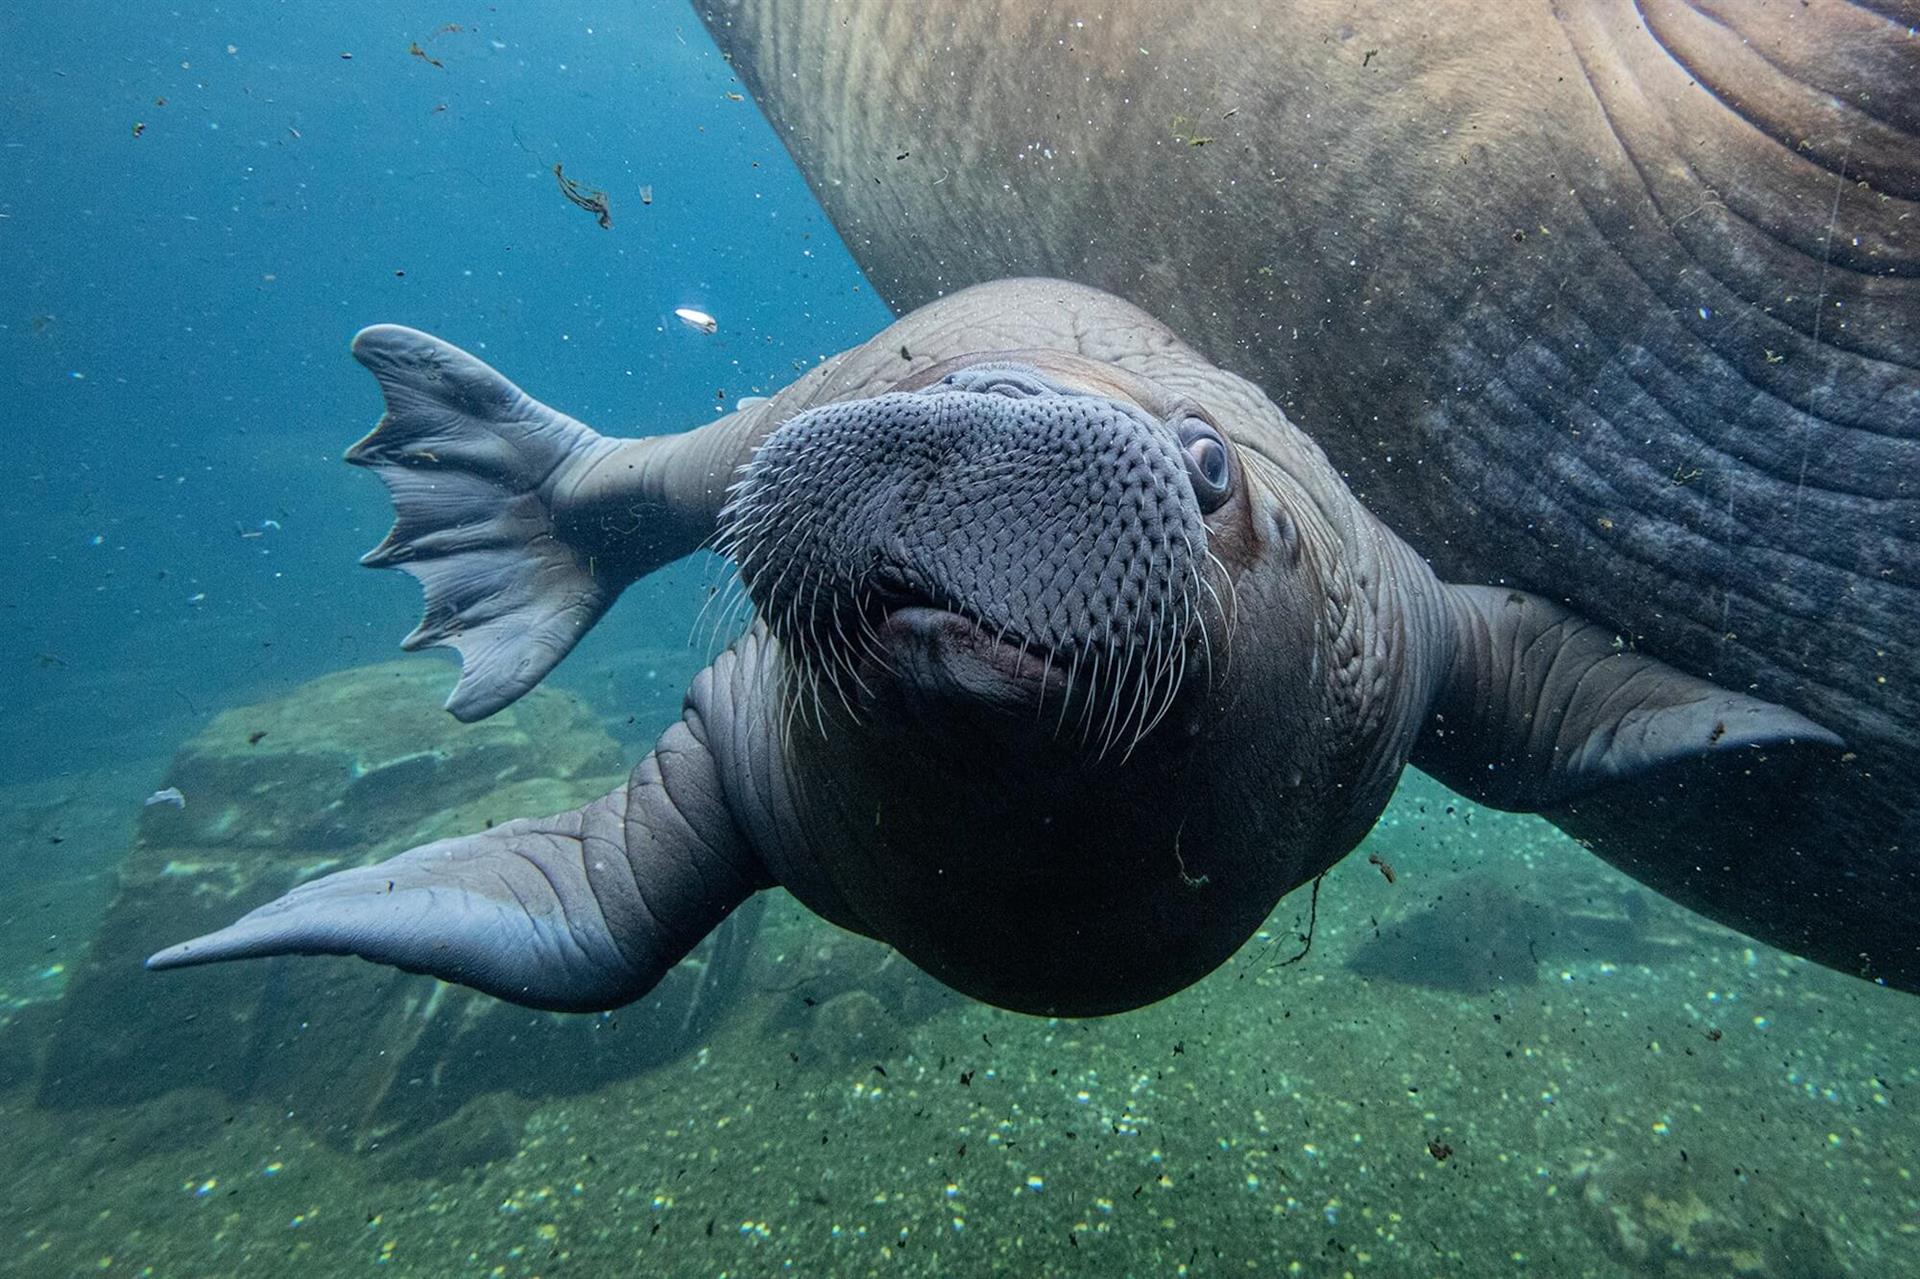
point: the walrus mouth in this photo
(888, 630)
(887, 641)
(943, 651)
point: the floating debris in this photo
(171, 795)
(139, 127)
(592, 199)
(646, 195)
(696, 319)
(415, 49)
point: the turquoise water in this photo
(180, 302)
(200, 207)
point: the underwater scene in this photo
(1193, 639)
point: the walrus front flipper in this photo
(1540, 707)
(579, 912)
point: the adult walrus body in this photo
(1071, 656)
(1616, 302)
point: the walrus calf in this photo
(1070, 656)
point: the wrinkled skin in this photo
(1070, 657)
(1616, 303)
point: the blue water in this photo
(177, 308)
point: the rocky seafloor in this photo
(1507, 1060)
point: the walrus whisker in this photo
(1196, 577)
(1046, 669)
(1099, 685)
(793, 691)
(829, 669)
(795, 528)
(1206, 634)
(869, 638)
(1169, 692)
(777, 590)
(1091, 654)
(738, 615)
(1167, 642)
(1171, 655)
(786, 693)
(751, 516)
(730, 594)
(1172, 632)
(1229, 611)
(1066, 699)
(1111, 697)
(1100, 681)
(819, 702)
(796, 709)
(796, 705)
(1136, 714)
(1152, 659)
(712, 582)
(1111, 729)
(842, 659)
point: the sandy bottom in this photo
(1643, 1093)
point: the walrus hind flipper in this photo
(1541, 707)
(575, 913)
(472, 462)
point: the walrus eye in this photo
(1207, 464)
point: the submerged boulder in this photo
(1703, 1217)
(351, 768)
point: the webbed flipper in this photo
(1541, 707)
(583, 911)
(472, 463)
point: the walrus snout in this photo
(1064, 527)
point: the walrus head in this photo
(1023, 531)
(1037, 615)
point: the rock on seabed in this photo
(350, 768)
